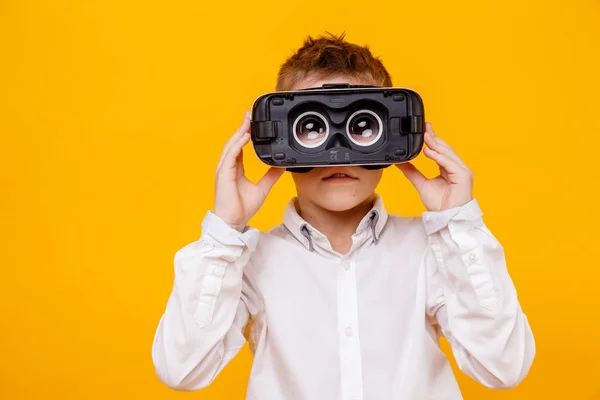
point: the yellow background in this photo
(113, 115)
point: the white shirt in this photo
(359, 326)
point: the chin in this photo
(337, 193)
(341, 200)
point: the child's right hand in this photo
(237, 199)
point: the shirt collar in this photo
(304, 232)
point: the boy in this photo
(343, 301)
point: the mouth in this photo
(339, 175)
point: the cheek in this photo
(371, 178)
(305, 182)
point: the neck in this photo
(338, 226)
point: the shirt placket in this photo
(348, 330)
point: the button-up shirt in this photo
(358, 326)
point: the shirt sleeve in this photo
(472, 299)
(202, 327)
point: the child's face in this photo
(336, 193)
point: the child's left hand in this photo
(453, 187)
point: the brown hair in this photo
(331, 55)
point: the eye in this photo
(364, 127)
(310, 129)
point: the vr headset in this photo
(338, 124)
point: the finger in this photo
(229, 161)
(239, 164)
(244, 127)
(439, 143)
(449, 151)
(444, 161)
(429, 128)
(442, 147)
(269, 178)
(412, 174)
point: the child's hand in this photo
(236, 198)
(452, 188)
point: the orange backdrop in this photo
(113, 115)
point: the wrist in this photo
(240, 227)
(453, 203)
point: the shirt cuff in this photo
(214, 226)
(436, 220)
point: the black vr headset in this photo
(338, 124)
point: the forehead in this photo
(312, 81)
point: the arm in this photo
(471, 297)
(202, 327)
(473, 300)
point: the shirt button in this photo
(219, 271)
(348, 331)
(314, 234)
(473, 258)
(346, 265)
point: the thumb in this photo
(412, 174)
(268, 180)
